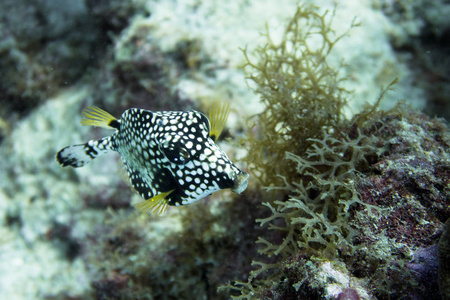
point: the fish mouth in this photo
(240, 182)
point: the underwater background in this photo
(338, 113)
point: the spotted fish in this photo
(169, 157)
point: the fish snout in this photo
(240, 182)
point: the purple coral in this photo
(424, 267)
(348, 294)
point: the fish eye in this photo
(175, 152)
(184, 154)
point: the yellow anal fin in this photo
(156, 205)
(218, 115)
(94, 116)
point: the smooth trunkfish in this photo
(169, 157)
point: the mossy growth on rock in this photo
(303, 146)
(301, 92)
(299, 145)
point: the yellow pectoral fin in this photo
(218, 115)
(94, 116)
(156, 205)
(122, 171)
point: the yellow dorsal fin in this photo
(218, 115)
(94, 116)
(156, 205)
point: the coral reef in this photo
(353, 205)
(368, 191)
(409, 183)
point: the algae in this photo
(60, 243)
(301, 92)
(317, 161)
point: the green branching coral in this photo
(301, 92)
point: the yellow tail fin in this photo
(157, 205)
(218, 115)
(94, 116)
